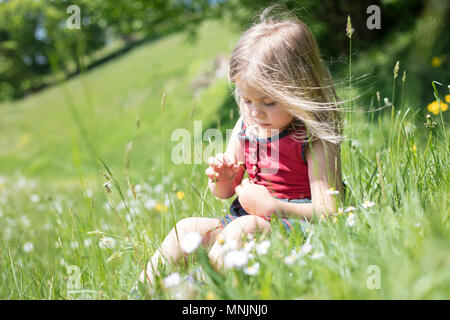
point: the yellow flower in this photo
(180, 195)
(334, 220)
(436, 62)
(210, 296)
(220, 239)
(434, 107)
(161, 207)
(413, 148)
(447, 98)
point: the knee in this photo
(185, 224)
(249, 223)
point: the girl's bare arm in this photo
(224, 188)
(324, 171)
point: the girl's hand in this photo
(255, 199)
(221, 168)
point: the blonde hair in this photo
(279, 56)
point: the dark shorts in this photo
(296, 225)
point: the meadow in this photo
(88, 189)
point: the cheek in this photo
(282, 117)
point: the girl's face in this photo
(266, 112)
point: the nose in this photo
(257, 112)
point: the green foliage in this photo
(31, 34)
(34, 32)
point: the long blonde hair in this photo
(279, 56)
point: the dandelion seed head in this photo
(107, 243)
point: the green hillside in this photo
(40, 135)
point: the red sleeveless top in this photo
(277, 163)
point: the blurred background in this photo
(34, 33)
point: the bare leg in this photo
(170, 249)
(233, 231)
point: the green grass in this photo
(405, 234)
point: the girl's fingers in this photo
(215, 163)
(211, 173)
(237, 166)
(228, 160)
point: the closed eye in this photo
(269, 104)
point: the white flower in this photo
(290, 259)
(172, 280)
(231, 244)
(418, 224)
(28, 247)
(25, 221)
(87, 243)
(191, 241)
(332, 191)
(107, 242)
(158, 188)
(137, 188)
(317, 255)
(34, 198)
(249, 246)
(74, 244)
(368, 204)
(7, 233)
(47, 226)
(235, 258)
(150, 204)
(306, 248)
(349, 209)
(350, 220)
(355, 144)
(121, 205)
(252, 270)
(387, 103)
(107, 207)
(263, 247)
(89, 193)
(105, 226)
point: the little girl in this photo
(287, 139)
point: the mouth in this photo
(264, 125)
